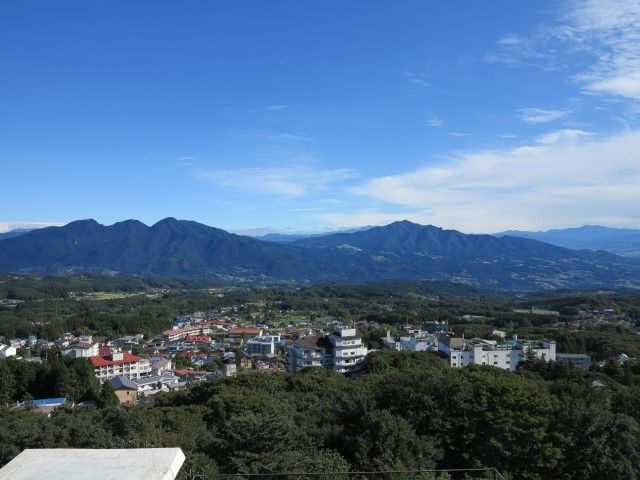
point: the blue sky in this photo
(310, 116)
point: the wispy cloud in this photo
(418, 79)
(287, 181)
(459, 134)
(269, 136)
(434, 122)
(540, 115)
(604, 35)
(7, 226)
(610, 31)
(276, 108)
(562, 136)
(559, 180)
(187, 161)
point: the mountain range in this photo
(621, 241)
(401, 250)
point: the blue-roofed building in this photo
(43, 405)
(49, 402)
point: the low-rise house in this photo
(114, 364)
(413, 344)
(157, 383)
(125, 389)
(228, 369)
(243, 361)
(128, 340)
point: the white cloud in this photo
(11, 225)
(610, 31)
(459, 134)
(540, 115)
(562, 135)
(550, 183)
(434, 122)
(602, 35)
(417, 79)
(288, 181)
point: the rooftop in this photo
(104, 360)
(99, 464)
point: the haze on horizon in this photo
(315, 117)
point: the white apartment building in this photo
(116, 364)
(505, 355)
(263, 345)
(341, 351)
(348, 350)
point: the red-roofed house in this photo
(116, 364)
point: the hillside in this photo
(401, 250)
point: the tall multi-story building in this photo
(341, 351)
(505, 355)
(348, 350)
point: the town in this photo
(204, 345)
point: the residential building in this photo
(158, 383)
(310, 351)
(242, 332)
(125, 389)
(263, 345)
(114, 364)
(505, 355)
(417, 344)
(202, 328)
(390, 342)
(435, 327)
(341, 351)
(81, 350)
(160, 365)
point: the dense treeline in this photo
(30, 287)
(408, 411)
(74, 379)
